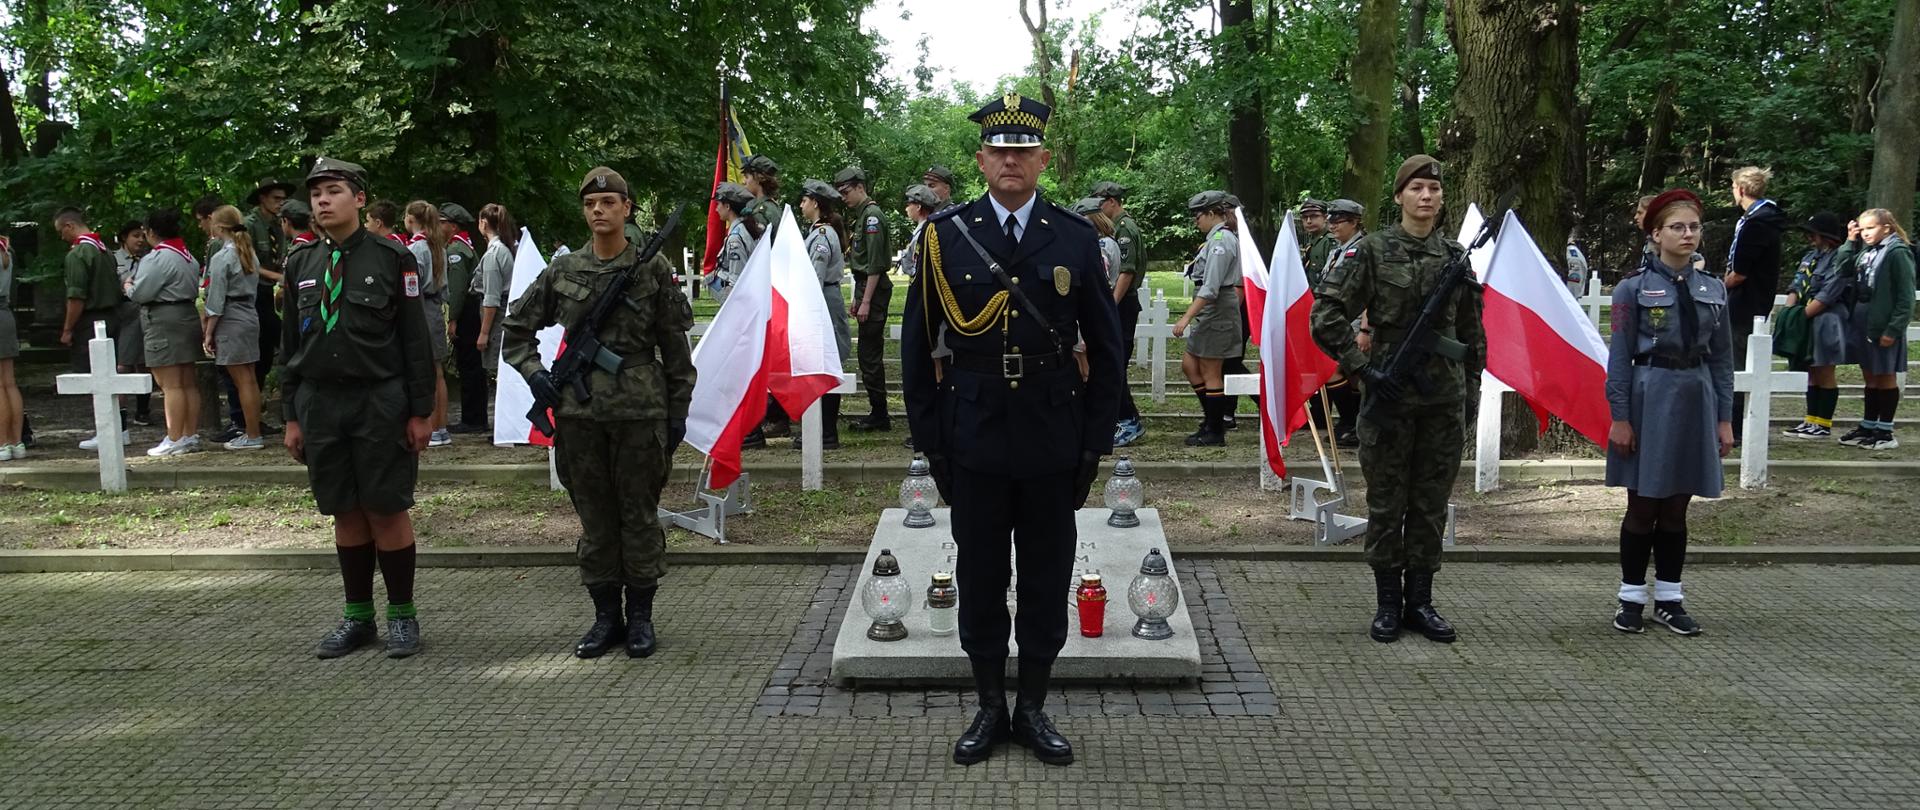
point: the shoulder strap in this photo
(1019, 295)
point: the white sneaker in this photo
(439, 438)
(6, 452)
(19, 451)
(93, 442)
(163, 448)
(190, 444)
(246, 443)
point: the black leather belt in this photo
(237, 298)
(1010, 366)
(166, 303)
(1658, 361)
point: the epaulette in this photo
(303, 246)
(1066, 214)
(947, 212)
(392, 245)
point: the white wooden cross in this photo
(1248, 385)
(812, 462)
(1760, 382)
(1596, 301)
(106, 385)
(1486, 442)
(1154, 313)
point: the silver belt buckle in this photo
(1013, 366)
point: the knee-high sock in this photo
(1889, 403)
(356, 577)
(1820, 405)
(1219, 406)
(396, 568)
(1669, 558)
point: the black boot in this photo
(1386, 617)
(1031, 728)
(779, 425)
(990, 725)
(876, 420)
(1420, 614)
(607, 629)
(830, 422)
(1212, 433)
(640, 640)
(757, 438)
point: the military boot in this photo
(990, 725)
(1031, 728)
(1420, 614)
(1386, 617)
(640, 640)
(607, 629)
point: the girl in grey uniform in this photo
(496, 279)
(1214, 316)
(742, 234)
(232, 324)
(166, 288)
(1089, 207)
(820, 204)
(1670, 389)
(1829, 296)
(1879, 255)
(11, 412)
(430, 254)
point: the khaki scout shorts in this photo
(357, 456)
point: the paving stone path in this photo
(198, 690)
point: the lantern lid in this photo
(886, 565)
(942, 578)
(1123, 467)
(1090, 579)
(919, 466)
(1153, 565)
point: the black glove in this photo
(1379, 382)
(1083, 478)
(676, 433)
(942, 477)
(545, 393)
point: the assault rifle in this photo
(1409, 360)
(583, 351)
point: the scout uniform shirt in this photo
(1320, 252)
(871, 252)
(268, 244)
(91, 275)
(648, 331)
(1133, 259)
(1388, 276)
(463, 277)
(355, 316)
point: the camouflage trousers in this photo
(613, 472)
(1410, 458)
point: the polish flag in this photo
(1539, 342)
(1292, 366)
(511, 397)
(772, 335)
(1253, 272)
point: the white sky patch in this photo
(980, 41)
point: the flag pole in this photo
(1330, 470)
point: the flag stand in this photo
(710, 519)
(1305, 494)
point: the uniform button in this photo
(1016, 313)
(1013, 384)
(969, 277)
(1016, 279)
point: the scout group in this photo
(1019, 317)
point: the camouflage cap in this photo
(1087, 205)
(733, 194)
(1346, 208)
(455, 213)
(760, 164)
(923, 195)
(333, 169)
(1109, 190)
(603, 180)
(1417, 167)
(940, 173)
(850, 174)
(816, 188)
(1207, 201)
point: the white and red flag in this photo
(1292, 366)
(512, 398)
(1539, 342)
(773, 335)
(1253, 274)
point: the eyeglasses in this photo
(1682, 228)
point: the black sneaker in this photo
(1882, 440)
(1674, 617)
(349, 635)
(143, 419)
(1856, 437)
(872, 423)
(1207, 439)
(232, 432)
(403, 637)
(1627, 618)
(1228, 422)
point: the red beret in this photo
(1661, 202)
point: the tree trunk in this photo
(1658, 159)
(1896, 120)
(1372, 99)
(1860, 168)
(13, 144)
(1247, 142)
(1513, 126)
(1413, 139)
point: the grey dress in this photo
(230, 291)
(432, 300)
(1820, 278)
(732, 261)
(830, 264)
(9, 330)
(496, 278)
(131, 346)
(166, 287)
(1674, 393)
(1110, 254)
(1215, 332)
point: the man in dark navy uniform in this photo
(1008, 286)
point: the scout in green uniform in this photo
(93, 291)
(357, 390)
(270, 245)
(762, 177)
(869, 259)
(1130, 292)
(463, 309)
(940, 180)
(1319, 244)
(1410, 440)
(614, 450)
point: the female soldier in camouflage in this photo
(1670, 388)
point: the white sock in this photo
(1664, 591)
(1636, 594)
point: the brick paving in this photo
(198, 690)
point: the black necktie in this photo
(1012, 235)
(1689, 316)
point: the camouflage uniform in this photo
(1410, 451)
